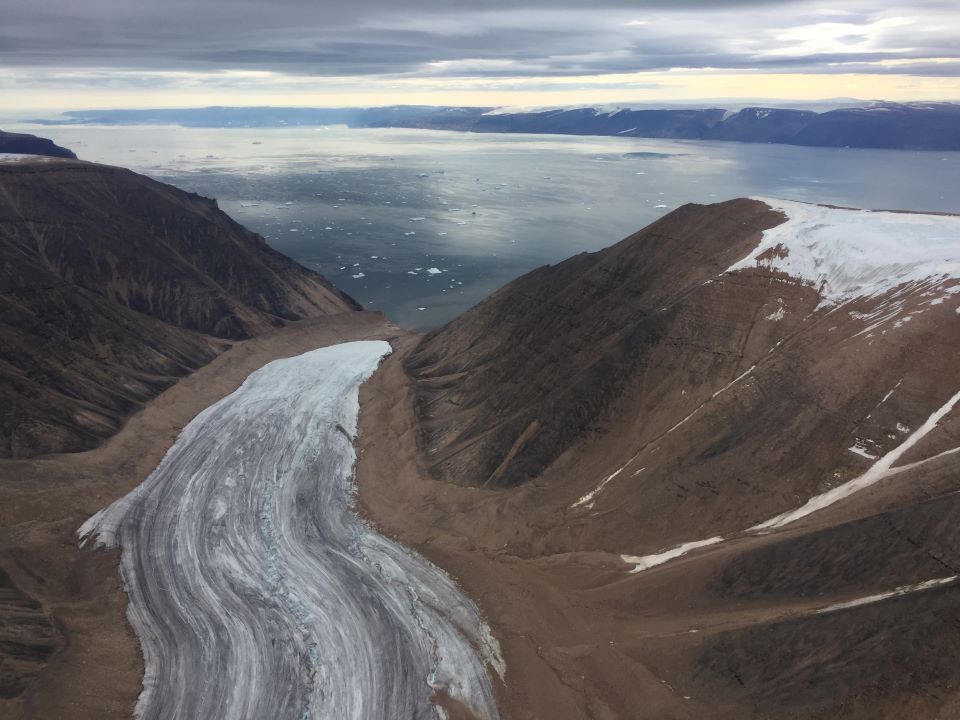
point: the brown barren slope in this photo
(112, 286)
(620, 404)
(505, 388)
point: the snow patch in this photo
(645, 562)
(902, 590)
(860, 448)
(259, 539)
(875, 473)
(778, 314)
(590, 496)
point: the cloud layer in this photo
(506, 38)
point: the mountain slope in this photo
(505, 388)
(112, 286)
(725, 456)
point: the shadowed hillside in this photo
(112, 286)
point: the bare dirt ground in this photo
(87, 662)
(731, 632)
(561, 660)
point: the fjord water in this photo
(424, 224)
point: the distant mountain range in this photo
(728, 441)
(902, 126)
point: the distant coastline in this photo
(880, 125)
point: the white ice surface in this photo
(257, 592)
(847, 254)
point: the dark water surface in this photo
(424, 224)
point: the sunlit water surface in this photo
(424, 224)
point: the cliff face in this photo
(112, 286)
(730, 441)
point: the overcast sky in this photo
(112, 53)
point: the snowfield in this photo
(847, 254)
(257, 592)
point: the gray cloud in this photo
(502, 38)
